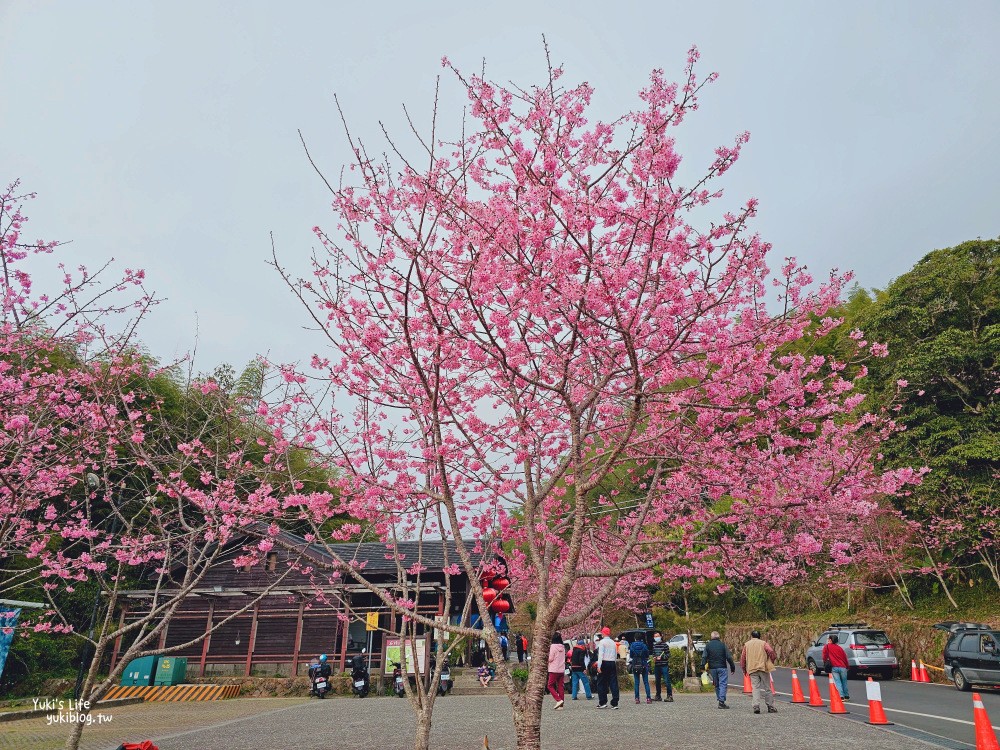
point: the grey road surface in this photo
(460, 723)
(936, 709)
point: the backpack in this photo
(639, 653)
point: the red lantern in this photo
(487, 574)
(500, 583)
(490, 594)
(500, 606)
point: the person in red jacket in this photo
(835, 660)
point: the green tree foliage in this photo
(941, 322)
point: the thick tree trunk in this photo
(422, 740)
(528, 716)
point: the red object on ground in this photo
(144, 745)
(814, 697)
(876, 715)
(797, 696)
(924, 677)
(836, 704)
(914, 674)
(747, 689)
(986, 738)
(771, 678)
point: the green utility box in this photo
(140, 671)
(171, 670)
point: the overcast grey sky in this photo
(164, 134)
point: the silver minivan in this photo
(868, 650)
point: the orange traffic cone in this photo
(747, 688)
(814, 696)
(797, 696)
(771, 678)
(836, 704)
(986, 739)
(924, 677)
(876, 715)
(914, 674)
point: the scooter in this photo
(360, 679)
(319, 678)
(320, 684)
(397, 679)
(446, 684)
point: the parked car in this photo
(638, 634)
(972, 654)
(868, 650)
(680, 641)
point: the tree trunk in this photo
(940, 576)
(991, 566)
(528, 718)
(422, 740)
(87, 696)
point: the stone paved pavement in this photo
(461, 721)
(137, 722)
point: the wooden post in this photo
(118, 640)
(345, 626)
(252, 642)
(298, 639)
(208, 638)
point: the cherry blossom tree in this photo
(537, 331)
(100, 483)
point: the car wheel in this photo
(811, 665)
(960, 682)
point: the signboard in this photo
(649, 619)
(393, 651)
(8, 624)
(371, 621)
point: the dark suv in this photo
(972, 654)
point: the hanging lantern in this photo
(490, 594)
(500, 583)
(500, 606)
(488, 573)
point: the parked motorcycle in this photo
(319, 677)
(360, 679)
(397, 679)
(446, 684)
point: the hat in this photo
(580, 642)
(605, 631)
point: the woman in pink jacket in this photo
(557, 670)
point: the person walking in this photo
(578, 662)
(557, 670)
(661, 668)
(519, 646)
(607, 669)
(715, 659)
(504, 646)
(835, 662)
(638, 654)
(757, 660)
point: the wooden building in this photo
(304, 614)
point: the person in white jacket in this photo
(607, 678)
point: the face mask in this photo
(657, 640)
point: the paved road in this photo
(460, 722)
(936, 709)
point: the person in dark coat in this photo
(661, 668)
(715, 658)
(519, 645)
(578, 669)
